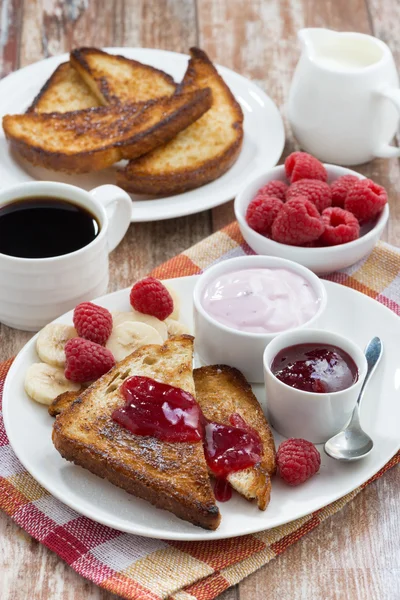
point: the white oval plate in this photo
(351, 313)
(264, 137)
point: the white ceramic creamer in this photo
(344, 100)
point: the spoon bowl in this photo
(352, 443)
(349, 445)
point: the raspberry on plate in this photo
(93, 322)
(300, 165)
(150, 297)
(341, 226)
(365, 200)
(297, 460)
(297, 223)
(340, 187)
(274, 188)
(261, 213)
(317, 192)
(86, 361)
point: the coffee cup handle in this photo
(118, 206)
(386, 150)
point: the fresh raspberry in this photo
(297, 461)
(300, 165)
(341, 226)
(151, 297)
(261, 213)
(93, 322)
(365, 199)
(275, 188)
(86, 361)
(297, 223)
(317, 192)
(340, 187)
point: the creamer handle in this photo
(386, 150)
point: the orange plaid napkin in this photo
(145, 569)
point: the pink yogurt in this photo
(261, 300)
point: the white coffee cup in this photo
(34, 291)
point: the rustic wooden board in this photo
(356, 554)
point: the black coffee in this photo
(41, 227)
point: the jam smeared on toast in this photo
(173, 415)
(230, 448)
(222, 490)
(160, 410)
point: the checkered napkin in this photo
(146, 569)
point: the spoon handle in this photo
(373, 353)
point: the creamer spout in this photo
(312, 38)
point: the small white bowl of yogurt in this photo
(241, 304)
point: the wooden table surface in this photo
(356, 554)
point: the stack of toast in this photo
(172, 476)
(99, 108)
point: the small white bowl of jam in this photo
(241, 304)
(312, 381)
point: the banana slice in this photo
(51, 341)
(129, 336)
(44, 383)
(175, 327)
(175, 298)
(135, 316)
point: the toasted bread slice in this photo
(116, 79)
(62, 402)
(93, 139)
(200, 153)
(222, 391)
(65, 91)
(172, 476)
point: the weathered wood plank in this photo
(10, 20)
(385, 17)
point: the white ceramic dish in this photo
(314, 417)
(319, 260)
(217, 344)
(264, 137)
(28, 427)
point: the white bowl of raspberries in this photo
(324, 217)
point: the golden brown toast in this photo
(116, 79)
(64, 91)
(222, 391)
(172, 476)
(200, 153)
(62, 402)
(95, 138)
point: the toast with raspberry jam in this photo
(221, 392)
(172, 476)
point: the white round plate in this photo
(264, 137)
(28, 427)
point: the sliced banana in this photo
(129, 336)
(175, 298)
(135, 316)
(175, 327)
(44, 383)
(51, 341)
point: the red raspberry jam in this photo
(160, 410)
(222, 489)
(230, 448)
(170, 414)
(319, 368)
